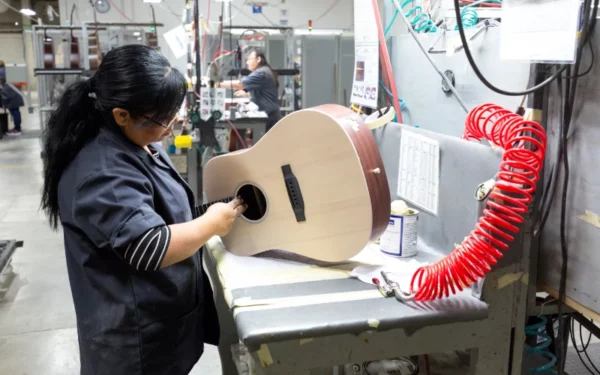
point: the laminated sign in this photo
(366, 55)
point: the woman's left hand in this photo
(240, 93)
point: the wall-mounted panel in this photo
(583, 205)
(421, 86)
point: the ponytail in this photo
(275, 75)
(69, 128)
(133, 77)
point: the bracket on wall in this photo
(450, 74)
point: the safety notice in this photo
(366, 55)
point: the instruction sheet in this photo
(365, 84)
(419, 171)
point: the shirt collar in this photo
(117, 136)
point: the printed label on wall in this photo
(366, 55)
(211, 100)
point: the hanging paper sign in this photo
(366, 51)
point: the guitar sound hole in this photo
(256, 201)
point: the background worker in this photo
(11, 99)
(261, 85)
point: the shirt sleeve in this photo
(148, 252)
(114, 207)
(254, 80)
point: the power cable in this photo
(198, 64)
(593, 58)
(429, 58)
(570, 96)
(481, 77)
(550, 188)
(235, 59)
(583, 349)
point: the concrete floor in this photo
(37, 319)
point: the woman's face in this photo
(252, 61)
(144, 130)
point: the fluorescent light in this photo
(27, 12)
(152, 1)
(318, 32)
(137, 33)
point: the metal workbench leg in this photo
(494, 355)
(488, 361)
(228, 331)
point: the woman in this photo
(143, 303)
(262, 84)
(11, 99)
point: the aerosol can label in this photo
(400, 237)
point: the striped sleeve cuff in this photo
(148, 252)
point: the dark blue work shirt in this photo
(262, 86)
(131, 322)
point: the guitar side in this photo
(345, 206)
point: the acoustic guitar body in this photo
(315, 185)
(48, 53)
(74, 58)
(94, 53)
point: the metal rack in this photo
(124, 33)
(51, 81)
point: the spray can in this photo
(400, 237)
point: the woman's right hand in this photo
(223, 215)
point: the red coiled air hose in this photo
(524, 144)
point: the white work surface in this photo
(279, 267)
(283, 285)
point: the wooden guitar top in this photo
(322, 179)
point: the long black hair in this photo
(263, 62)
(133, 77)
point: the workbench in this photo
(299, 316)
(296, 315)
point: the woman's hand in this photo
(188, 237)
(223, 215)
(240, 93)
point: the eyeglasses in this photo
(159, 123)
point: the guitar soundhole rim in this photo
(257, 202)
